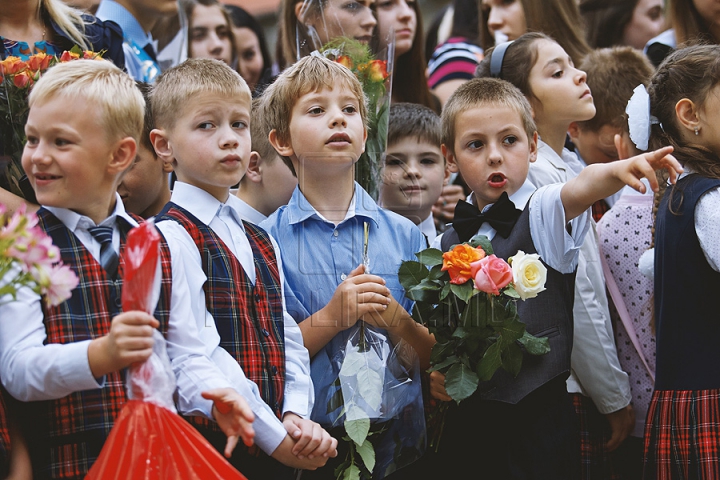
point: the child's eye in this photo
(350, 109)
(428, 161)
(475, 144)
(385, 4)
(315, 111)
(558, 74)
(223, 33)
(510, 140)
(205, 126)
(248, 55)
(239, 124)
(32, 140)
(393, 162)
(61, 142)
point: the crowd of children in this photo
(273, 257)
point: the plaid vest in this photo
(249, 318)
(66, 435)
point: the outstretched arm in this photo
(601, 180)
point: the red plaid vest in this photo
(66, 435)
(249, 318)
(4, 436)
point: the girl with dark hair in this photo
(210, 35)
(254, 62)
(621, 22)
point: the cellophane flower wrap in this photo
(374, 70)
(149, 439)
(29, 259)
(467, 299)
(17, 78)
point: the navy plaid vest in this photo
(65, 436)
(249, 318)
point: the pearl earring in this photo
(697, 131)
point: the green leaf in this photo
(489, 363)
(352, 363)
(351, 473)
(370, 387)
(430, 257)
(411, 273)
(367, 453)
(421, 312)
(475, 313)
(535, 345)
(464, 291)
(511, 292)
(512, 359)
(445, 291)
(451, 360)
(358, 429)
(460, 382)
(482, 242)
(436, 273)
(424, 292)
(511, 331)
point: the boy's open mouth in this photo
(339, 138)
(497, 180)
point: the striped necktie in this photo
(108, 257)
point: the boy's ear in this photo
(687, 114)
(451, 164)
(123, 155)
(533, 146)
(621, 146)
(254, 168)
(284, 148)
(161, 144)
(574, 131)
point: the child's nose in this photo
(495, 19)
(405, 12)
(367, 20)
(338, 118)
(494, 155)
(229, 138)
(412, 170)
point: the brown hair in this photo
(309, 74)
(188, 6)
(605, 20)
(148, 121)
(409, 75)
(293, 33)
(480, 92)
(559, 19)
(612, 75)
(683, 17)
(689, 72)
(415, 121)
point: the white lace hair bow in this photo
(639, 118)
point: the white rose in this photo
(529, 274)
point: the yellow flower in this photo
(529, 274)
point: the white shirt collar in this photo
(427, 227)
(73, 220)
(202, 205)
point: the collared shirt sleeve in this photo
(31, 370)
(557, 246)
(269, 430)
(707, 226)
(299, 392)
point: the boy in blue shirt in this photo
(321, 233)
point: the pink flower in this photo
(56, 283)
(491, 274)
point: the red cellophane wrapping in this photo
(149, 440)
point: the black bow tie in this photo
(501, 215)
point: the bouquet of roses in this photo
(466, 297)
(29, 259)
(375, 74)
(16, 79)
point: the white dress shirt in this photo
(707, 224)
(595, 369)
(427, 227)
(248, 213)
(33, 371)
(558, 248)
(225, 221)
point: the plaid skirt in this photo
(682, 435)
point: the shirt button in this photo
(257, 297)
(274, 370)
(335, 233)
(266, 333)
(118, 302)
(343, 276)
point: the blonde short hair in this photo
(309, 74)
(102, 84)
(480, 92)
(194, 76)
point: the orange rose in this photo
(23, 79)
(39, 61)
(457, 262)
(377, 70)
(68, 56)
(345, 61)
(12, 65)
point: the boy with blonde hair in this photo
(270, 178)
(489, 136)
(315, 112)
(235, 277)
(69, 361)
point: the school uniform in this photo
(523, 427)
(44, 358)
(236, 281)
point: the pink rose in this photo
(491, 274)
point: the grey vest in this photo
(547, 315)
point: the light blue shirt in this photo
(138, 63)
(318, 255)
